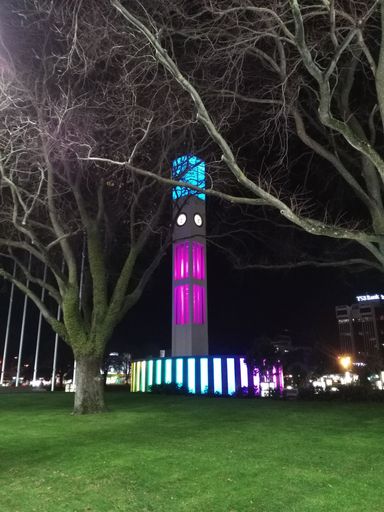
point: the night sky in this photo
(242, 305)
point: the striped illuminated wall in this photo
(223, 375)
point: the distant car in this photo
(290, 393)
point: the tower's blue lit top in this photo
(190, 169)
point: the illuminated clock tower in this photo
(189, 273)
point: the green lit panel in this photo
(158, 371)
(142, 380)
(137, 375)
(133, 367)
(132, 377)
(149, 374)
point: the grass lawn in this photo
(175, 454)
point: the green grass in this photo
(175, 454)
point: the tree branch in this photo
(53, 322)
(312, 226)
(312, 263)
(177, 183)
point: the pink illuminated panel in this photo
(182, 304)
(181, 259)
(198, 304)
(243, 373)
(198, 260)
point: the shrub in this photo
(242, 393)
(351, 393)
(169, 389)
(361, 393)
(307, 393)
(275, 394)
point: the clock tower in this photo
(189, 273)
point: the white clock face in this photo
(198, 219)
(181, 219)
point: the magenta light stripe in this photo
(181, 261)
(256, 380)
(198, 263)
(274, 377)
(198, 304)
(281, 378)
(243, 373)
(182, 304)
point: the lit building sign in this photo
(365, 298)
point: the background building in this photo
(361, 327)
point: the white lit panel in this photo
(204, 374)
(217, 377)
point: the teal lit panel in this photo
(231, 375)
(179, 372)
(217, 377)
(158, 371)
(149, 374)
(191, 375)
(168, 371)
(190, 169)
(204, 374)
(143, 374)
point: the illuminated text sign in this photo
(364, 298)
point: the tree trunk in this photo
(89, 394)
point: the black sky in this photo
(242, 305)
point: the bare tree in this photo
(73, 83)
(296, 86)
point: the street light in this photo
(346, 363)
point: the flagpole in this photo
(58, 316)
(38, 335)
(22, 332)
(9, 317)
(53, 378)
